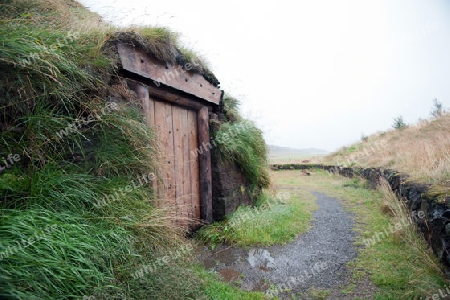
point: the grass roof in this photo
(163, 44)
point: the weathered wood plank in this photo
(159, 122)
(151, 114)
(193, 163)
(178, 161)
(204, 166)
(148, 109)
(152, 120)
(170, 155)
(164, 128)
(135, 60)
(187, 193)
(165, 94)
(142, 92)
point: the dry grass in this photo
(71, 15)
(422, 151)
(409, 235)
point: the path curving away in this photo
(316, 259)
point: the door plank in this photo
(187, 193)
(178, 161)
(193, 164)
(170, 156)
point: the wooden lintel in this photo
(135, 60)
(205, 165)
(167, 95)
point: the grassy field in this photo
(290, 159)
(285, 155)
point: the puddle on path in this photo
(225, 259)
(260, 258)
(229, 275)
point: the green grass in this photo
(55, 70)
(231, 108)
(58, 253)
(275, 219)
(215, 289)
(319, 294)
(400, 265)
(242, 142)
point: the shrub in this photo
(437, 110)
(399, 123)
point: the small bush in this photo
(437, 109)
(399, 124)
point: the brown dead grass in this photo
(422, 151)
(408, 234)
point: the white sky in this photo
(313, 73)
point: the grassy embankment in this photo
(66, 148)
(421, 151)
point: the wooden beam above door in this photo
(135, 60)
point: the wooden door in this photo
(177, 134)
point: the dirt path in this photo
(315, 260)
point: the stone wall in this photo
(435, 226)
(230, 188)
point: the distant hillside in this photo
(286, 153)
(421, 150)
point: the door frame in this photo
(145, 89)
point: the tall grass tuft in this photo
(231, 108)
(243, 143)
(420, 255)
(57, 255)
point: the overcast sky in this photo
(313, 73)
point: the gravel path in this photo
(316, 259)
